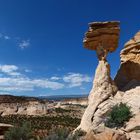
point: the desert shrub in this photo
(76, 135)
(58, 134)
(118, 116)
(64, 134)
(61, 110)
(41, 122)
(19, 132)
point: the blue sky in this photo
(41, 50)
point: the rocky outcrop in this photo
(26, 108)
(104, 94)
(103, 88)
(130, 63)
(103, 85)
(106, 135)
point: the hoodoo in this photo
(103, 38)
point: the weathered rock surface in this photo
(103, 88)
(105, 34)
(104, 94)
(26, 108)
(133, 124)
(106, 135)
(4, 127)
(130, 63)
(103, 85)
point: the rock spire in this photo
(103, 38)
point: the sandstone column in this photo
(103, 38)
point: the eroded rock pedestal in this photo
(103, 38)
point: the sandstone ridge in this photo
(130, 63)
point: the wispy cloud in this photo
(26, 84)
(55, 78)
(24, 44)
(12, 80)
(76, 79)
(6, 37)
(28, 70)
(9, 70)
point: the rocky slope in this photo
(18, 105)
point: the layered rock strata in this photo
(98, 38)
(105, 34)
(104, 94)
(130, 63)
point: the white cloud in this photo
(17, 82)
(10, 70)
(27, 70)
(12, 80)
(76, 79)
(24, 44)
(48, 84)
(21, 42)
(6, 37)
(55, 78)
(26, 84)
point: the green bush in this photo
(118, 116)
(64, 134)
(19, 133)
(59, 134)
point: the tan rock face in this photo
(106, 135)
(103, 88)
(98, 38)
(104, 34)
(130, 62)
(104, 94)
